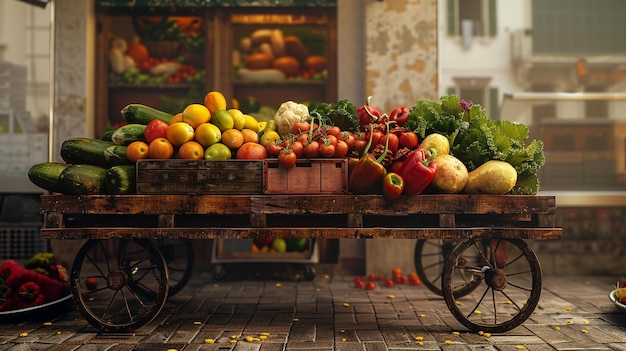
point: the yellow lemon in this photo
(238, 118)
(223, 120)
(250, 123)
(196, 114)
(208, 134)
(180, 133)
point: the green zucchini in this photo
(81, 150)
(142, 114)
(126, 134)
(116, 155)
(81, 179)
(46, 175)
(121, 179)
(107, 135)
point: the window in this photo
(480, 13)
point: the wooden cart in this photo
(120, 279)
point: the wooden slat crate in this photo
(190, 177)
(299, 216)
(309, 176)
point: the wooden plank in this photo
(308, 176)
(303, 232)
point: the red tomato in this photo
(251, 151)
(370, 286)
(298, 148)
(359, 145)
(300, 127)
(326, 149)
(341, 150)
(334, 130)
(287, 158)
(303, 138)
(389, 283)
(348, 138)
(273, 150)
(393, 141)
(332, 139)
(91, 283)
(409, 139)
(155, 129)
(312, 149)
(358, 283)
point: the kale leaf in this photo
(341, 114)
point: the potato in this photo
(451, 176)
(493, 177)
(436, 141)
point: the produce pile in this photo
(41, 280)
(449, 146)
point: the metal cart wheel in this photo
(105, 279)
(179, 257)
(429, 257)
(512, 284)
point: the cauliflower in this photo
(288, 114)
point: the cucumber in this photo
(142, 114)
(107, 135)
(81, 150)
(116, 155)
(125, 135)
(121, 180)
(46, 175)
(81, 179)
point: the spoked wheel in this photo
(179, 257)
(429, 257)
(107, 276)
(511, 275)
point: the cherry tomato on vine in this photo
(341, 150)
(312, 149)
(334, 130)
(287, 158)
(273, 150)
(326, 149)
(348, 138)
(300, 127)
(297, 148)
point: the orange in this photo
(250, 136)
(177, 118)
(191, 150)
(136, 151)
(214, 100)
(208, 134)
(161, 148)
(232, 138)
(180, 133)
(196, 114)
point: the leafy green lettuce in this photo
(475, 138)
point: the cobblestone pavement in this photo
(329, 313)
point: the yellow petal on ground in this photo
(419, 338)
(345, 304)
(584, 331)
(209, 341)
(585, 321)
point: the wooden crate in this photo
(312, 176)
(202, 177)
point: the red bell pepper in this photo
(418, 170)
(393, 185)
(399, 115)
(368, 172)
(367, 113)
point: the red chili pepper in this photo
(400, 115)
(393, 185)
(418, 170)
(367, 113)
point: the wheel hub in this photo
(117, 279)
(496, 279)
